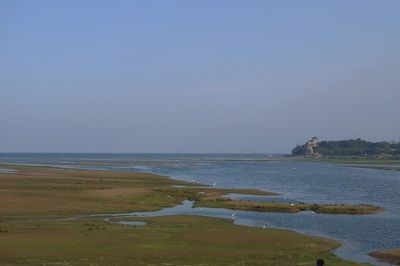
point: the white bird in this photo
(233, 215)
(263, 226)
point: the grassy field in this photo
(37, 202)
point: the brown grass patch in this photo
(389, 256)
(38, 191)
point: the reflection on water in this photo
(5, 170)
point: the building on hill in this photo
(307, 149)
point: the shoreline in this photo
(208, 196)
(390, 256)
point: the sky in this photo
(210, 76)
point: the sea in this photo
(294, 181)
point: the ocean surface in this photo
(309, 182)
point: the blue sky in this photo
(196, 76)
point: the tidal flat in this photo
(46, 220)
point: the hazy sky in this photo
(196, 76)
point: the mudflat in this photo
(390, 256)
(44, 220)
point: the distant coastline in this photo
(352, 148)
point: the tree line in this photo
(357, 147)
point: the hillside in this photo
(351, 147)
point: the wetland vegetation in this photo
(44, 221)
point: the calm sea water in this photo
(295, 181)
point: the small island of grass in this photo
(288, 207)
